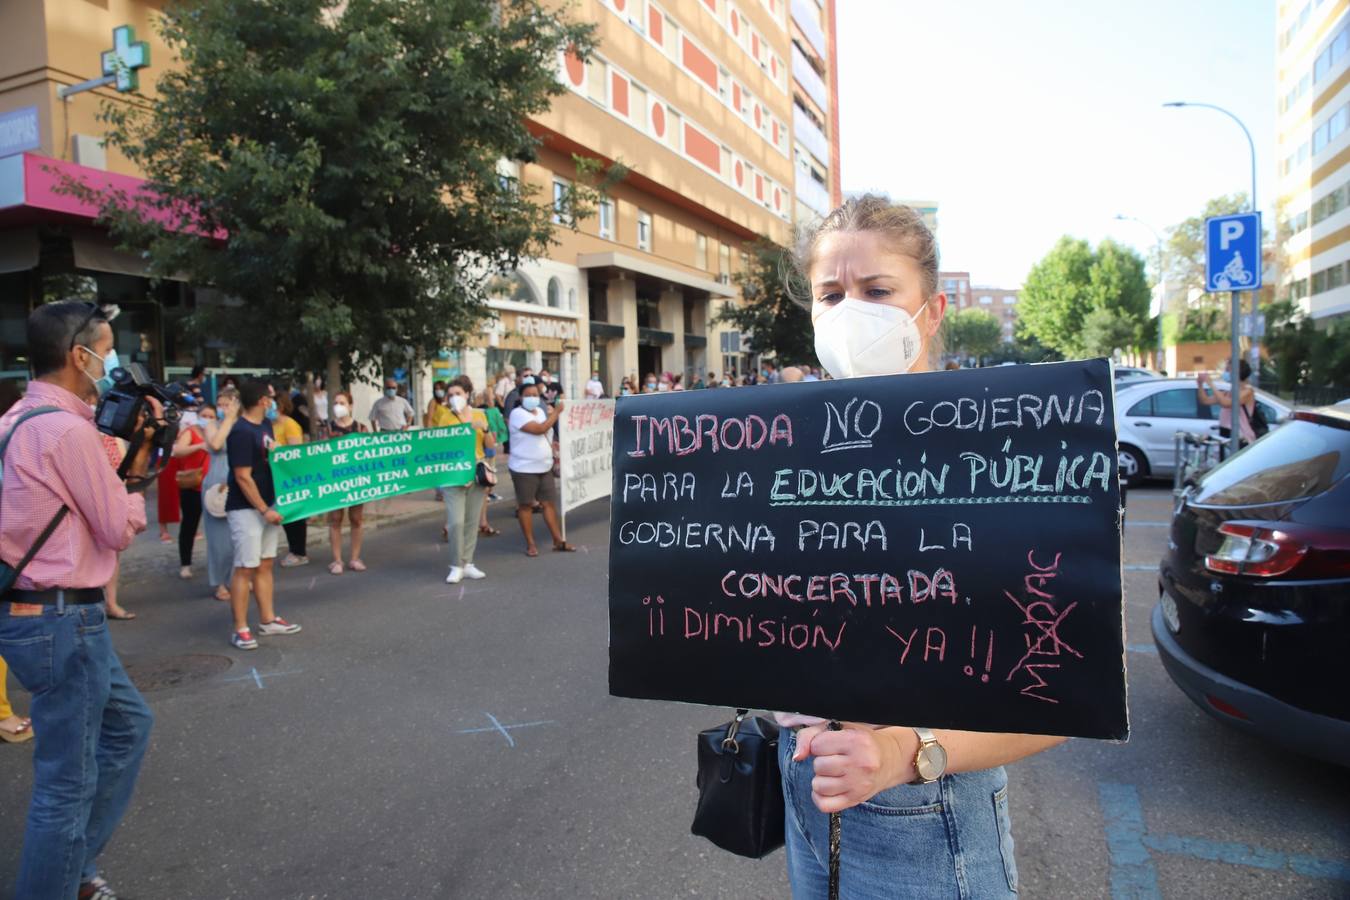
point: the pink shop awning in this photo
(29, 192)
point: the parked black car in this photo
(1253, 621)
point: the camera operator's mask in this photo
(110, 362)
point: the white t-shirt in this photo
(594, 389)
(531, 454)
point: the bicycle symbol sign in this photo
(1233, 252)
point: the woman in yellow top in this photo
(288, 431)
(464, 502)
(13, 729)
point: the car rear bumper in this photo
(1308, 733)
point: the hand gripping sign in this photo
(940, 549)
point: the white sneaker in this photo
(456, 575)
(278, 625)
(472, 571)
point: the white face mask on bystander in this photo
(855, 337)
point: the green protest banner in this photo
(356, 468)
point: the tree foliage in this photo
(973, 333)
(773, 311)
(1073, 281)
(1305, 356)
(332, 166)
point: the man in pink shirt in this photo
(92, 724)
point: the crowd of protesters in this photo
(219, 463)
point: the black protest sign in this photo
(938, 549)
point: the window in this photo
(724, 263)
(1142, 408)
(644, 231)
(508, 175)
(1175, 404)
(637, 106)
(986, 300)
(701, 251)
(597, 75)
(607, 219)
(671, 33)
(1335, 277)
(560, 216)
(675, 130)
(1009, 299)
(555, 293)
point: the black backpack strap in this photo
(60, 513)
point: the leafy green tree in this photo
(1023, 349)
(1072, 281)
(1305, 356)
(1185, 247)
(1105, 330)
(774, 309)
(973, 332)
(332, 167)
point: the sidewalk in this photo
(149, 557)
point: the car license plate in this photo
(1170, 616)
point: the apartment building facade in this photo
(696, 98)
(1313, 154)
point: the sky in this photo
(1027, 121)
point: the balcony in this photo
(807, 20)
(809, 135)
(809, 79)
(812, 193)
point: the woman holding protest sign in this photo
(343, 423)
(924, 812)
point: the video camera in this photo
(120, 409)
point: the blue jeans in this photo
(92, 728)
(952, 838)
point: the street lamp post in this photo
(1161, 286)
(1235, 382)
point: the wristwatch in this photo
(930, 762)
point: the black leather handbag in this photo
(740, 792)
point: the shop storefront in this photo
(51, 249)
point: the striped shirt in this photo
(60, 458)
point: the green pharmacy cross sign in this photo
(126, 57)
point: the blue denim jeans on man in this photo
(92, 728)
(951, 838)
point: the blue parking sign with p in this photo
(1233, 252)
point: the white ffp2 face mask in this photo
(856, 338)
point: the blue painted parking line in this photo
(1136, 522)
(1142, 648)
(1133, 875)
(1152, 568)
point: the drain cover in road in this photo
(177, 671)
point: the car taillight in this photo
(1255, 551)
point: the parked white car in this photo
(1132, 372)
(1150, 413)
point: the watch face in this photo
(932, 762)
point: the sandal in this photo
(23, 733)
(532, 551)
(335, 568)
(488, 531)
(224, 599)
(356, 565)
(564, 547)
(121, 615)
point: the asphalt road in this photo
(424, 740)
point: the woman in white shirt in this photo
(531, 465)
